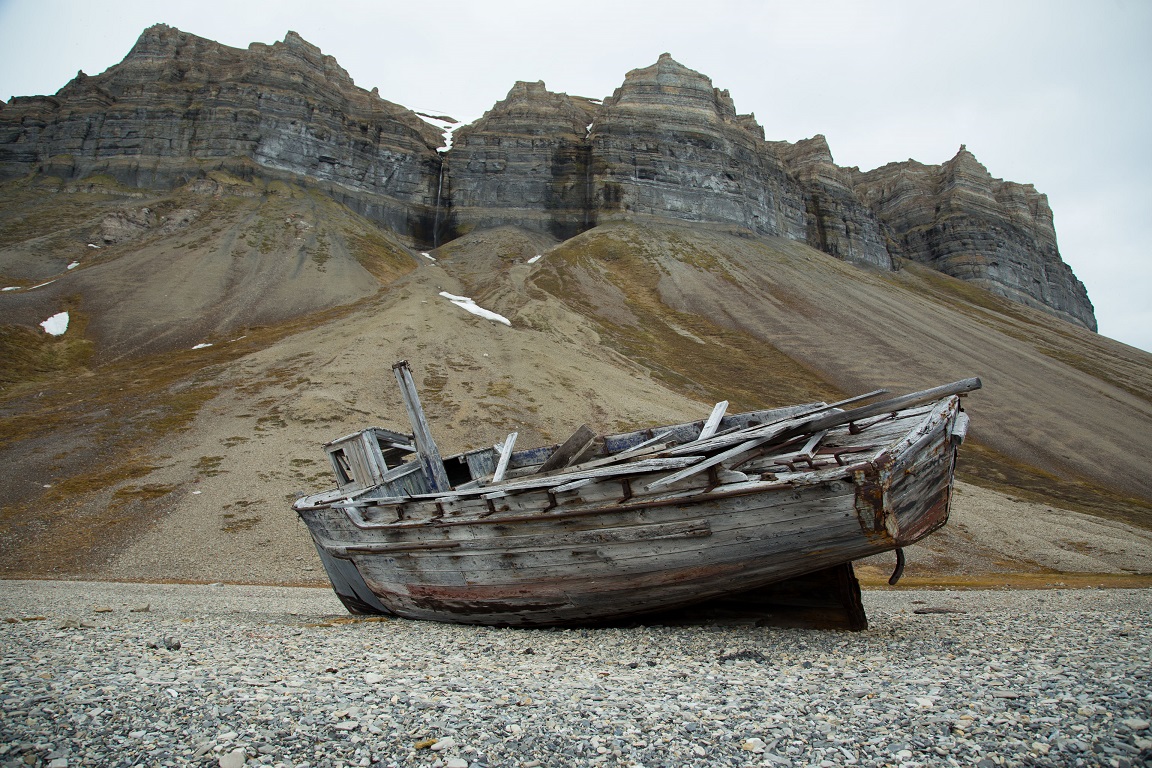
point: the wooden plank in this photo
(425, 446)
(652, 445)
(505, 455)
(888, 406)
(713, 422)
(569, 449)
(636, 467)
(711, 462)
(813, 441)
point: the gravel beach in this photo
(116, 674)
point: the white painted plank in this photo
(505, 455)
(713, 422)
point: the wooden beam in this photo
(426, 448)
(569, 449)
(710, 462)
(713, 422)
(887, 406)
(505, 455)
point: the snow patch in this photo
(428, 256)
(73, 265)
(201, 345)
(468, 305)
(56, 325)
(447, 125)
(93, 245)
(535, 258)
(42, 284)
(11, 288)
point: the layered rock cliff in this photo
(958, 219)
(179, 106)
(666, 144)
(526, 162)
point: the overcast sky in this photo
(1049, 92)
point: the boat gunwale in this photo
(876, 467)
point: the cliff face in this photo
(838, 223)
(666, 144)
(180, 105)
(669, 144)
(998, 234)
(527, 162)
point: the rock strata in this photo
(527, 162)
(837, 221)
(669, 144)
(960, 220)
(180, 105)
(666, 144)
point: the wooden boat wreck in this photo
(605, 527)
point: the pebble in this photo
(267, 676)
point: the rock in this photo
(178, 105)
(142, 608)
(234, 759)
(165, 643)
(442, 744)
(838, 223)
(121, 226)
(753, 745)
(669, 144)
(1135, 724)
(102, 609)
(958, 219)
(372, 678)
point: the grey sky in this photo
(1048, 92)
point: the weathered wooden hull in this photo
(557, 551)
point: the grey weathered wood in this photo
(569, 449)
(713, 422)
(425, 446)
(505, 455)
(590, 543)
(886, 406)
(709, 462)
(813, 441)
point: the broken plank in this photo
(713, 422)
(569, 449)
(505, 455)
(711, 462)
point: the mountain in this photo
(239, 240)
(665, 144)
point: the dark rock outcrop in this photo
(838, 223)
(180, 105)
(669, 144)
(998, 234)
(666, 144)
(526, 162)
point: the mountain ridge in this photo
(666, 143)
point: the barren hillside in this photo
(131, 454)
